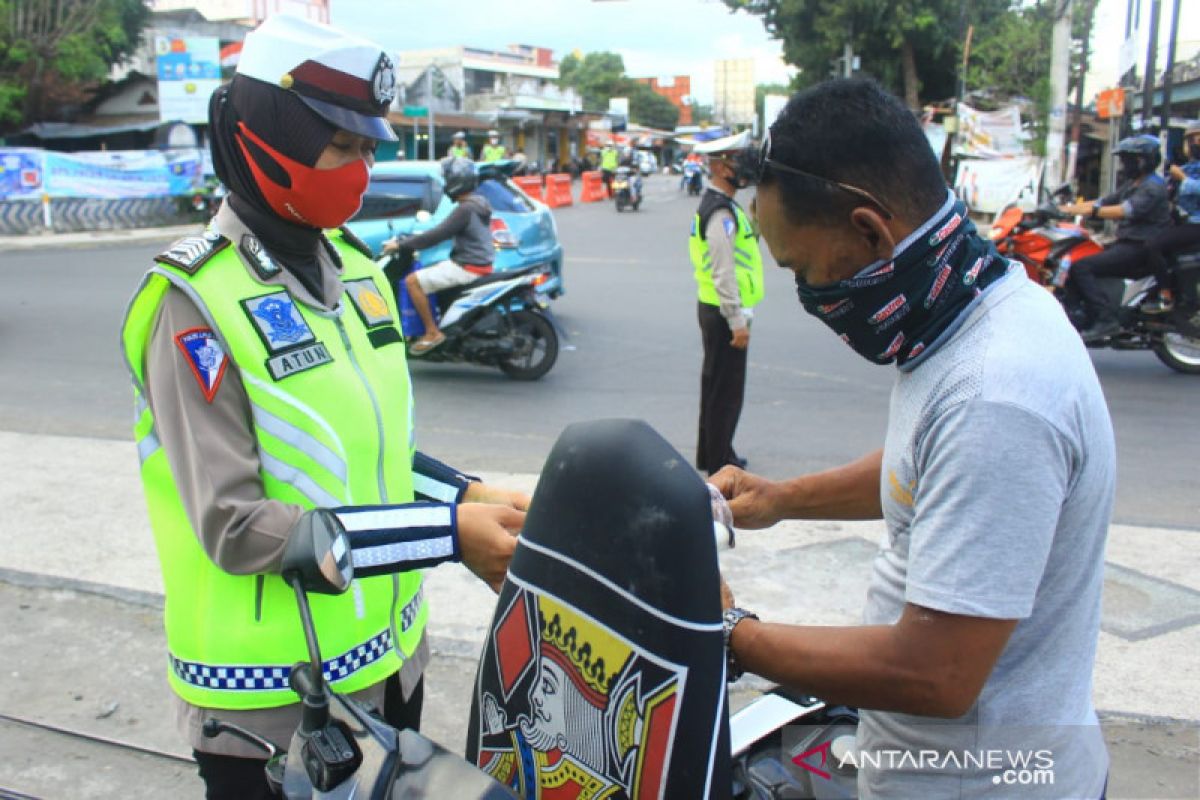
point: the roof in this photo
(440, 120)
(67, 130)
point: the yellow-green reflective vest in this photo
(746, 256)
(331, 406)
(608, 159)
(492, 153)
(460, 152)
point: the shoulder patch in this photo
(191, 253)
(205, 356)
(730, 227)
(358, 244)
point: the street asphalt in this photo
(81, 647)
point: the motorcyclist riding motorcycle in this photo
(1142, 207)
(1164, 247)
(470, 226)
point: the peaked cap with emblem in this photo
(349, 81)
(726, 144)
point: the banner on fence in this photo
(31, 173)
(988, 185)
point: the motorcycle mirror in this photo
(424, 216)
(318, 552)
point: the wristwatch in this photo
(729, 621)
(1095, 210)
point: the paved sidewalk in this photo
(35, 241)
(78, 569)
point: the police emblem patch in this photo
(206, 358)
(383, 82)
(730, 227)
(278, 321)
(369, 303)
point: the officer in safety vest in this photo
(459, 147)
(729, 275)
(609, 161)
(271, 388)
(493, 150)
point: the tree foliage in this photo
(47, 46)
(601, 76)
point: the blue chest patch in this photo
(278, 321)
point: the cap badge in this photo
(383, 81)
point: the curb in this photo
(35, 241)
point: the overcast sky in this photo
(669, 37)
(654, 37)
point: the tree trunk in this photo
(908, 60)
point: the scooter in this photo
(627, 188)
(693, 177)
(499, 320)
(603, 671)
(1047, 243)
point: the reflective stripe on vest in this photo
(316, 448)
(747, 263)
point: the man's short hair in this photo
(855, 132)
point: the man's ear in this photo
(873, 228)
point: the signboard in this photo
(1110, 103)
(113, 174)
(189, 71)
(773, 105)
(416, 111)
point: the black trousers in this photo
(1160, 250)
(722, 389)
(232, 778)
(1122, 259)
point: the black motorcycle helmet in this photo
(460, 176)
(1140, 155)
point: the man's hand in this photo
(1075, 209)
(1177, 173)
(391, 246)
(727, 601)
(483, 493)
(754, 501)
(741, 338)
(487, 537)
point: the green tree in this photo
(912, 46)
(50, 45)
(596, 76)
(648, 107)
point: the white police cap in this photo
(726, 144)
(349, 81)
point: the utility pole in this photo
(1168, 83)
(1060, 57)
(1077, 126)
(1151, 57)
(848, 59)
(429, 103)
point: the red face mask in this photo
(319, 198)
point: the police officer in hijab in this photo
(273, 397)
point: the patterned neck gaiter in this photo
(894, 310)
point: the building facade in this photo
(250, 12)
(733, 91)
(678, 90)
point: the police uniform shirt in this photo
(214, 457)
(720, 233)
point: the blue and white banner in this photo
(112, 174)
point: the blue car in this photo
(406, 197)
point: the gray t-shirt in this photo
(997, 488)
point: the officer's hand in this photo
(754, 501)
(1177, 173)
(487, 537)
(391, 246)
(741, 338)
(482, 493)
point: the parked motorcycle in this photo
(601, 674)
(1047, 244)
(499, 320)
(627, 188)
(693, 177)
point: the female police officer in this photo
(271, 386)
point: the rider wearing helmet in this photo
(1166, 245)
(1142, 210)
(459, 147)
(469, 225)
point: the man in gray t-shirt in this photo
(973, 669)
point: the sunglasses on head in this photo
(764, 161)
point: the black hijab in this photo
(282, 120)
